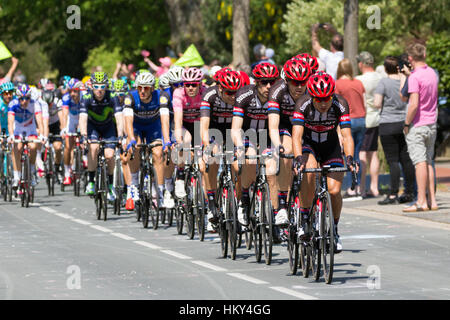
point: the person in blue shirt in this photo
(7, 95)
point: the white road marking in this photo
(293, 293)
(63, 215)
(148, 245)
(123, 236)
(49, 209)
(99, 228)
(247, 278)
(176, 254)
(209, 266)
(83, 222)
(367, 236)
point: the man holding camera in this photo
(330, 57)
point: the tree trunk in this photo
(186, 25)
(351, 32)
(241, 29)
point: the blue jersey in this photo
(146, 113)
(68, 103)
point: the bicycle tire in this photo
(267, 225)
(327, 233)
(180, 219)
(292, 244)
(232, 220)
(223, 231)
(192, 206)
(313, 245)
(201, 201)
(257, 233)
(154, 201)
(27, 182)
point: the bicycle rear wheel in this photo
(327, 241)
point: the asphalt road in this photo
(56, 249)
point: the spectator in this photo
(353, 91)
(165, 64)
(368, 155)
(330, 57)
(269, 55)
(392, 119)
(9, 75)
(420, 126)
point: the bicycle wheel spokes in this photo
(232, 220)
(314, 251)
(327, 234)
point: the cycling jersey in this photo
(147, 116)
(189, 106)
(320, 134)
(51, 112)
(281, 103)
(74, 112)
(24, 119)
(219, 112)
(100, 113)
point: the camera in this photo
(403, 61)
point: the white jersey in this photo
(24, 119)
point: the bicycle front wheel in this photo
(327, 238)
(201, 212)
(267, 224)
(232, 220)
(153, 204)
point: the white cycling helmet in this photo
(145, 79)
(175, 74)
(164, 81)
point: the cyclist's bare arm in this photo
(204, 127)
(297, 136)
(83, 123)
(236, 126)
(178, 125)
(274, 133)
(119, 123)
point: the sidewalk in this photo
(443, 199)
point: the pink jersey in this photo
(190, 107)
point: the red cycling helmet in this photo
(321, 85)
(230, 80)
(265, 70)
(298, 70)
(216, 75)
(313, 63)
(245, 79)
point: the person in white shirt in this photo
(330, 57)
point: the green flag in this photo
(4, 52)
(190, 58)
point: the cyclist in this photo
(120, 91)
(70, 116)
(216, 111)
(146, 112)
(100, 118)
(24, 116)
(314, 132)
(53, 122)
(7, 92)
(250, 115)
(186, 106)
(282, 98)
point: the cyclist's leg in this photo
(284, 178)
(307, 187)
(70, 143)
(210, 182)
(180, 191)
(92, 157)
(16, 153)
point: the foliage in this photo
(266, 17)
(438, 57)
(401, 21)
(127, 24)
(101, 56)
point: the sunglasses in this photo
(140, 88)
(229, 93)
(266, 82)
(177, 85)
(11, 92)
(326, 99)
(191, 84)
(99, 86)
(121, 94)
(299, 83)
(24, 98)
